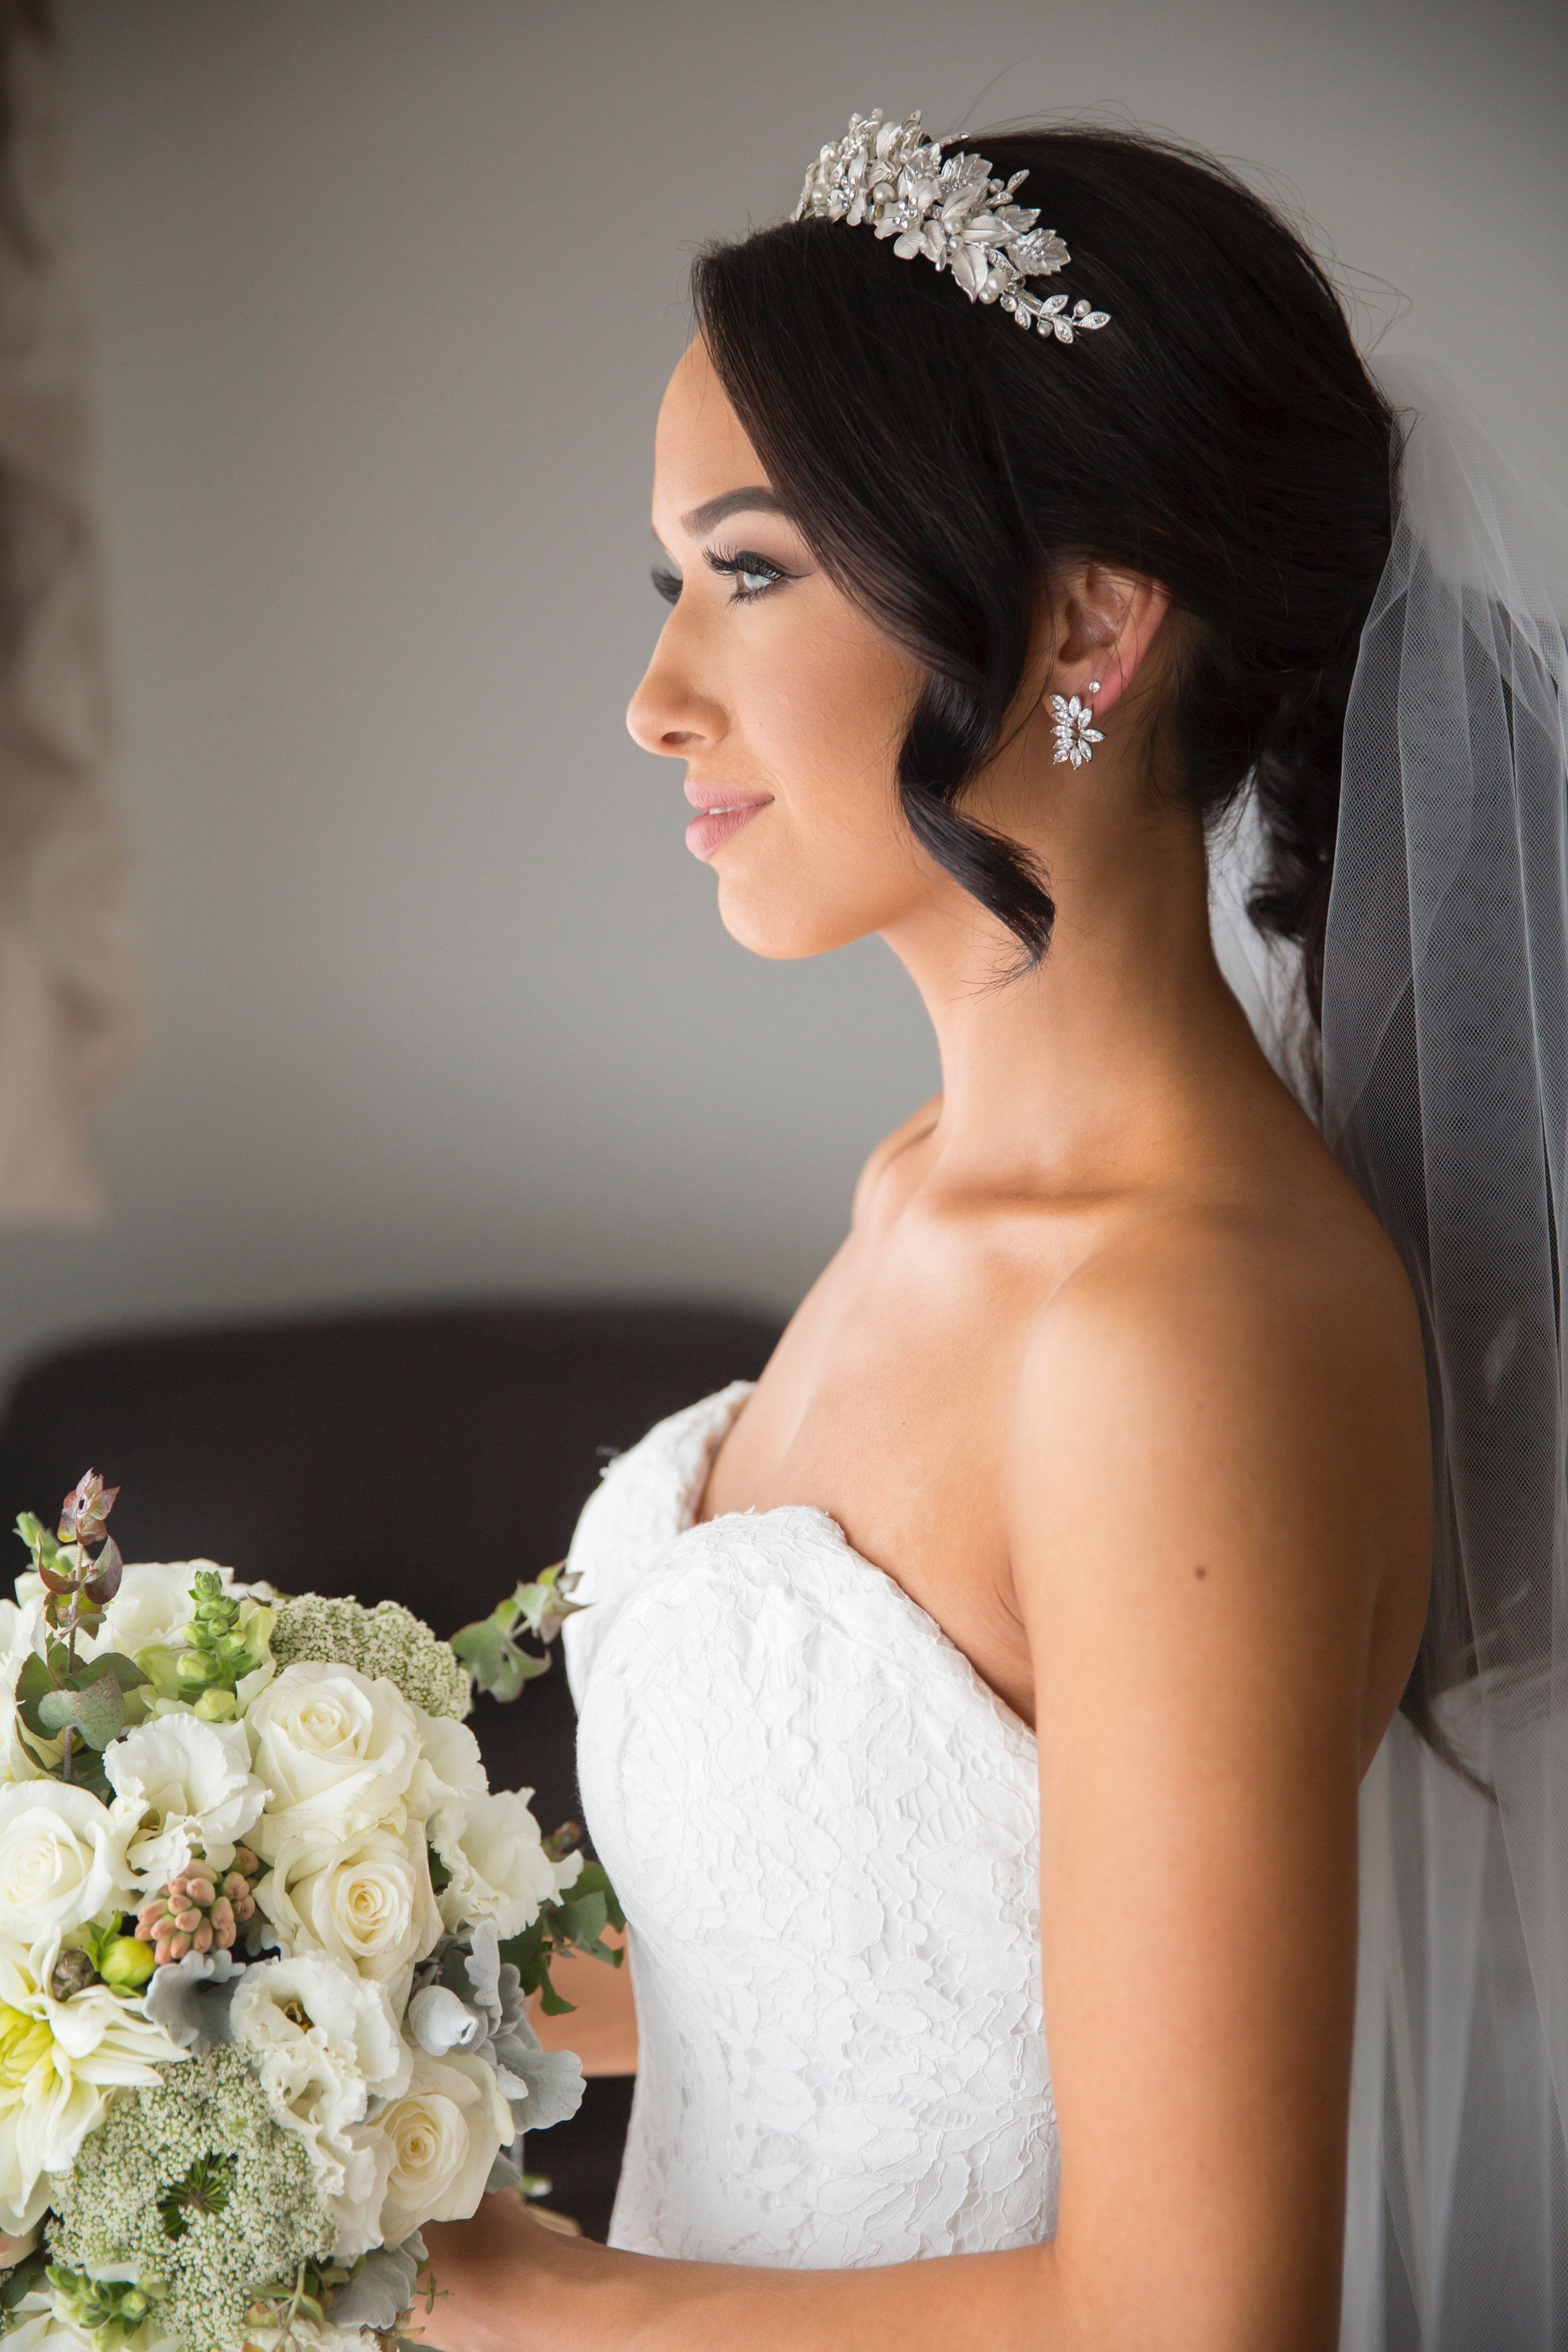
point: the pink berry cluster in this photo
(198, 1911)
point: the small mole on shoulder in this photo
(1199, 1571)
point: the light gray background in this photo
(387, 291)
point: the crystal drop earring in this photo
(1075, 729)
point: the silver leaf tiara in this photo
(953, 213)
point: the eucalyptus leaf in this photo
(544, 1605)
(34, 1683)
(95, 1711)
(584, 1921)
(595, 1879)
(495, 1661)
(481, 1648)
(126, 1672)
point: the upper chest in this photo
(890, 1405)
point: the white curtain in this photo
(68, 1012)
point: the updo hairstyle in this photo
(1221, 436)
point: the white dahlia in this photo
(60, 2063)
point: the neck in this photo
(1105, 1068)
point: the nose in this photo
(667, 714)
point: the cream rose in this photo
(182, 1786)
(445, 2133)
(62, 1861)
(326, 2043)
(367, 1901)
(497, 1865)
(336, 1751)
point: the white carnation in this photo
(450, 1766)
(336, 1751)
(366, 1900)
(497, 1866)
(18, 1639)
(182, 1786)
(62, 1862)
(59, 2063)
(325, 2044)
(305, 2335)
(444, 2132)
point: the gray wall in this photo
(386, 291)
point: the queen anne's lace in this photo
(952, 212)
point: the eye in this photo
(753, 574)
(666, 584)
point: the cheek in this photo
(832, 859)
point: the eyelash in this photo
(736, 566)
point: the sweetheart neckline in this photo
(884, 1579)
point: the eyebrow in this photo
(758, 500)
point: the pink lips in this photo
(723, 815)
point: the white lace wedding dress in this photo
(824, 1828)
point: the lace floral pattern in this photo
(843, 2058)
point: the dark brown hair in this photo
(1221, 436)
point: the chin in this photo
(784, 924)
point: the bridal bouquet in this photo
(266, 1935)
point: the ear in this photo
(1105, 623)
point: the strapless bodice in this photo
(824, 1828)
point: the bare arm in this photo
(1194, 1533)
(602, 2025)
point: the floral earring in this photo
(1076, 733)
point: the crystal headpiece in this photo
(953, 213)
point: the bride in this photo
(1003, 1673)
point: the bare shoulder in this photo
(892, 1148)
(1241, 1381)
(1223, 1289)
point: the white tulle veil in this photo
(1445, 1093)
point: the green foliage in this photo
(491, 1649)
(575, 1923)
(81, 1704)
(226, 1640)
(109, 2312)
(26, 2277)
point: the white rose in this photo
(62, 1861)
(497, 1865)
(445, 2133)
(182, 1786)
(326, 2043)
(367, 1901)
(450, 1766)
(336, 1751)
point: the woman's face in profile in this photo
(784, 700)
